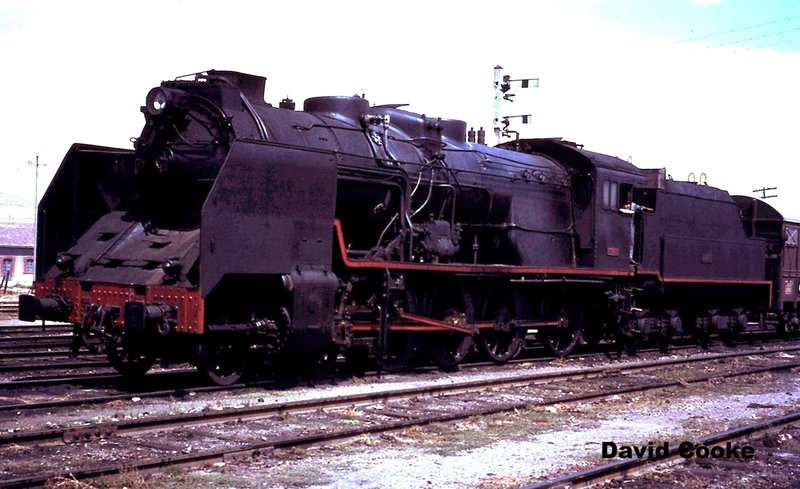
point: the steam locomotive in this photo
(237, 233)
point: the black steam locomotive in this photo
(236, 232)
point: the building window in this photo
(8, 266)
(29, 265)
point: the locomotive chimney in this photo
(286, 103)
(471, 135)
(481, 136)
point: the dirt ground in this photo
(513, 449)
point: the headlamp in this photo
(172, 268)
(65, 263)
(158, 101)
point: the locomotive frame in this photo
(237, 232)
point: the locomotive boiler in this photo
(236, 233)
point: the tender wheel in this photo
(222, 361)
(793, 325)
(447, 350)
(663, 336)
(663, 340)
(732, 333)
(702, 331)
(698, 329)
(128, 360)
(628, 335)
(502, 346)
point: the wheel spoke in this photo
(562, 339)
(502, 346)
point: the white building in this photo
(16, 254)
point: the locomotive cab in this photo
(600, 187)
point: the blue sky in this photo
(616, 75)
(735, 23)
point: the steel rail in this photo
(86, 380)
(21, 344)
(77, 364)
(6, 355)
(20, 337)
(35, 327)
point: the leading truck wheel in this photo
(129, 362)
(222, 361)
(129, 355)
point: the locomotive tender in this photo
(237, 232)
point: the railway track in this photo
(10, 332)
(92, 380)
(83, 363)
(99, 379)
(387, 408)
(9, 307)
(34, 343)
(8, 340)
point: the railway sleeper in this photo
(82, 435)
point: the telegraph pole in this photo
(764, 196)
(36, 164)
(764, 190)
